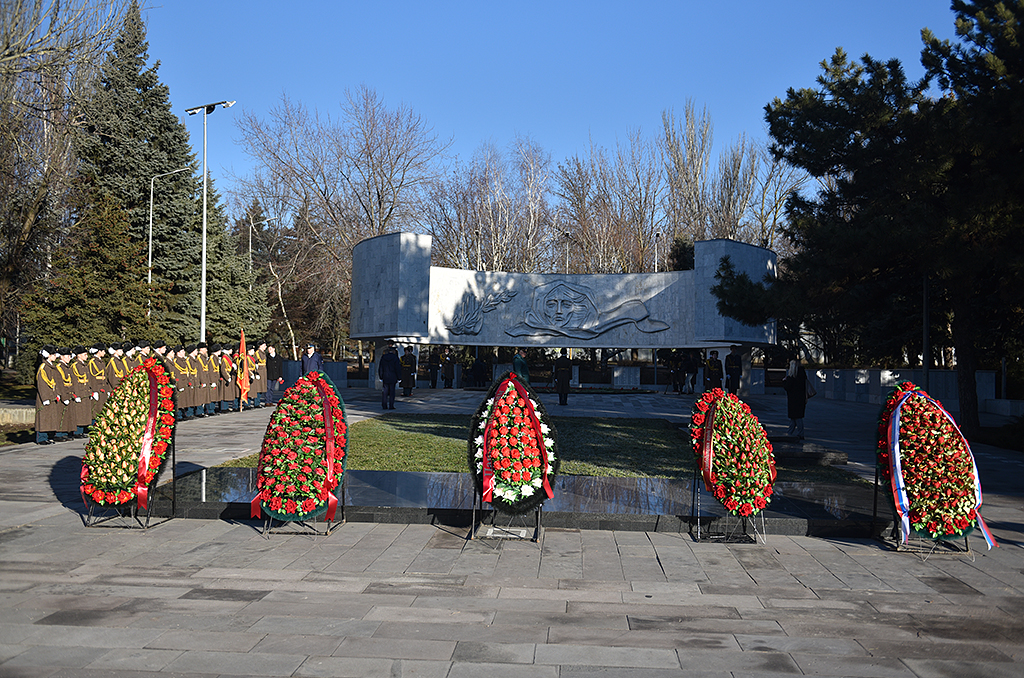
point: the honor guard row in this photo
(73, 384)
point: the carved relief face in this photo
(562, 307)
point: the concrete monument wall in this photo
(396, 294)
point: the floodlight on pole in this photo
(206, 109)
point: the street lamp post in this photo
(207, 109)
(567, 237)
(251, 227)
(657, 235)
(149, 277)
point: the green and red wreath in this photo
(512, 448)
(303, 456)
(927, 463)
(129, 441)
(733, 452)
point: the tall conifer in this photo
(130, 135)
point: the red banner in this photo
(243, 372)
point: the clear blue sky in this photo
(559, 72)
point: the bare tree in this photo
(48, 53)
(687, 152)
(391, 156)
(336, 182)
(731, 190)
(775, 182)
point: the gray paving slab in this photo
(202, 598)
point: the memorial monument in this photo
(397, 294)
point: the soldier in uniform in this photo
(206, 376)
(192, 350)
(226, 366)
(97, 379)
(80, 409)
(116, 368)
(65, 390)
(49, 405)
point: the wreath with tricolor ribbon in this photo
(927, 463)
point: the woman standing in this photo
(795, 385)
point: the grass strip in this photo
(590, 446)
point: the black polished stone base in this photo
(584, 502)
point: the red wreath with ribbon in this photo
(303, 456)
(733, 451)
(512, 448)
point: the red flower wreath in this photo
(734, 454)
(939, 494)
(303, 455)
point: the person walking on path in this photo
(795, 384)
(390, 369)
(563, 375)
(312, 361)
(520, 366)
(408, 372)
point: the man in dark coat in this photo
(733, 369)
(408, 372)
(312, 361)
(275, 374)
(389, 369)
(563, 375)
(795, 385)
(520, 366)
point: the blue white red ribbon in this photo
(899, 488)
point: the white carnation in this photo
(528, 490)
(544, 428)
(548, 442)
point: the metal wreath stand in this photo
(99, 516)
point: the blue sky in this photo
(562, 73)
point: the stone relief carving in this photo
(562, 308)
(469, 316)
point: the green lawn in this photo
(589, 447)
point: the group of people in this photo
(73, 384)
(684, 365)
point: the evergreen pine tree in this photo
(129, 137)
(97, 290)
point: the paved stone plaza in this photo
(194, 598)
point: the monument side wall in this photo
(390, 287)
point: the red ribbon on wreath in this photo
(142, 485)
(332, 499)
(488, 468)
(707, 446)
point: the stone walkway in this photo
(193, 598)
